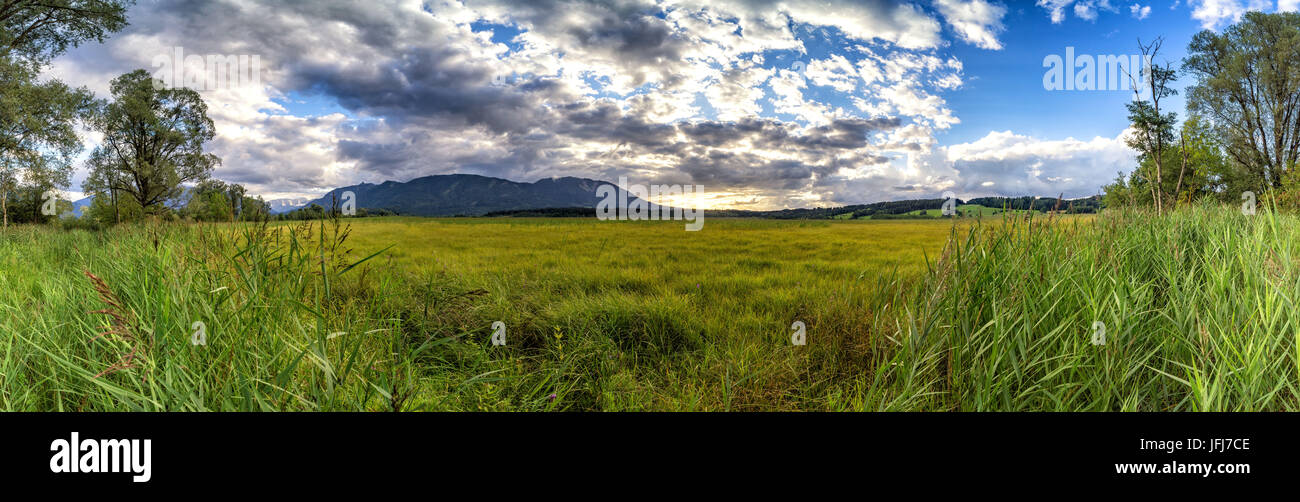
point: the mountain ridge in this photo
(477, 195)
(466, 195)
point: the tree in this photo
(153, 142)
(1248, 86)
(1202, 171)
(216, 200)
(1152, 130)
(37, 30)
(36, 135)
(107, 211)
(100, 183)
(1208, 172)
(210, 205)
(37, 138)
(256, 209)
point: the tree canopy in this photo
(37, 30)
(1248, 87)
(153, 142)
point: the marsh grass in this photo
(1198, 306)
(395, 314)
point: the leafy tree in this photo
(103, 181)
(153, 142)
(38, 30)
(216, 200)
(1208, 171)
(1203, 171)
(108, 211)
(256, 209)
(208, 202)
(1248, 87)
(1152, 130)
(37, 137)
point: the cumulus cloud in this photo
(1216, 13)
(902, 24)
(1083, 9)
(1005, 163)
(975, 21)
(721, 93)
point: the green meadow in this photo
(1194, 310)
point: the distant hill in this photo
(473, 195)
(468, 195)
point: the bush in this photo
(82, 223)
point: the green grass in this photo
(396, 313)
(1199, 309)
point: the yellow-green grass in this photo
(713, 304)
(599, 315)
(396, 314)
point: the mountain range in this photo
(474, 195)
(467, 195)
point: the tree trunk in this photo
(1159, 186)
(1182, 140)
(1160, 150)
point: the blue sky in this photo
(764, 103)
(1004, 88)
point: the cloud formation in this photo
(978, 22)
(1140, 11)
(1083, 9)
(1005, 163)
(1214, 14)
(740, 96)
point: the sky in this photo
(761, 104)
